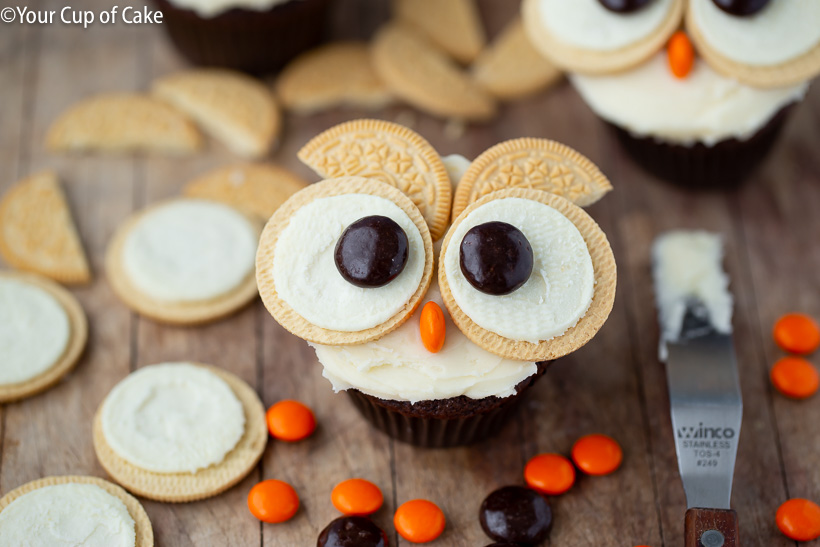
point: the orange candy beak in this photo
(432, 327)
(681, 55)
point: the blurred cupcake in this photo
(525, 276)
(255, 36)
(702, 107)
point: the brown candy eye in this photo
(741, 8)
(517, 515)
(352, 532)
(624, 6)
(372, 252)
(496, 258)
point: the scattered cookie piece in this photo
(256, 188)
(541, 164)
(37, 232)
(123, 122)
(388, 152)
(44, 331)
(339, 73)
(184, 261)
(452, 25)
(422, 75)
(197, 430)
(113, 513)
(511, 67)
(235, 109)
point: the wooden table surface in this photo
(614, 385)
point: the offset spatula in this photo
(706, 406)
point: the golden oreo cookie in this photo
(390, 153)
(172, 312)
(418, 72)
(37, 232)
(144, 531)
(205, 483)
(511, 67)
(540, 164)
(123, 122)
(256, 188)
(797, 70)
(78, 336)
(232, 107)
(337, 188)
(339, 73)
(452, 25)
(604, 273)
(588, 61)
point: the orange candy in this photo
(681, 55)
(797, 333)
(290, 421)
(799, 519)
(419, 521)
(432, 327)
(550, 474)
(795, 377)
(597, 454)
(273, 501)
(357, 497)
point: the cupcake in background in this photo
(701, 107)
(438, 359)
(255, 36)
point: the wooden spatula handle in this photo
(707, 527)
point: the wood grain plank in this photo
(647, 208)
(778, 217)
(51, 433)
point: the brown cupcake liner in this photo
(258, 42)
(724, 165)
(444, 423)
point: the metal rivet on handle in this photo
(712, 538)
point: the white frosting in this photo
(305, 272)
(704, 107)
(687, 265)
(190, 250)
(172, 418)
(398, 367)
(212, 8)
(67, 515)
(456, 165)
(780, 32)
(34, 331)
(589, 25)
(559, 290)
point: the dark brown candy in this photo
(503, 545)
(741, 8)
(352, 532)
(496, 258)
(516, 514)
(371, 252)
(624, 6)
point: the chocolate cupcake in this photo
(700, 107)
(524, 277)
(255, 36)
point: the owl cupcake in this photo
(436, 342)
(255, 36)
(700, 106)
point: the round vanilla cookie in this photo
(184, 261)
(579, 45)
(603, 284)
(540, 164)
(784, 38)
(380, 310)
(43, 305)
(204, 483)
(144, 533)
